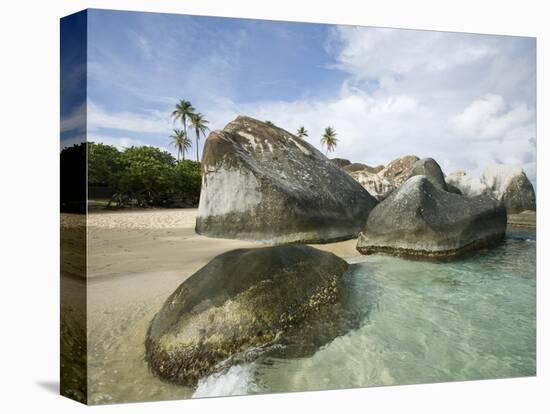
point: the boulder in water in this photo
(420, 220)
(510, 185)
(242, 299)
(260, 182)
(505, 183)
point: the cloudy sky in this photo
(466, 100)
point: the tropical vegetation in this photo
(142, 176)
(302, 132)
(329, 139)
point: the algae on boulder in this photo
(420, 220)
(260, 182)
(242, 299)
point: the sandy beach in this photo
(136, 259)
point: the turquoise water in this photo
(413, 322)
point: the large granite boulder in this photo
(377, 186)
(431, 169)
(420, 220)
(399, 170)
(242, 299)
(260, 182)
(510, 185)
(340, 162)
(506, 183)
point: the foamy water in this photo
(420, 322)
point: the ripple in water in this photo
(419, 322)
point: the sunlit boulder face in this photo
(377, 186)
(507, 184)
(242, 299)
(260, 182)
(399, 170)
(420, 220)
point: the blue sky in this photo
(466, 100)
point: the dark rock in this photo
(260, 182)
(340, 162)
(452, 189)
(242, 299)
(419, 220)
(431, 169)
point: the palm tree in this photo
(329, 139)
(198, 123)
(183, 110)
(302, 132)
(181, 142)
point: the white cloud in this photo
(466, 100)
(148, 121)
(75, 120)
(375, 53)
(489, 118)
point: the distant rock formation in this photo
(260, 182)
(377, 186)
(431, 169)
(506, 183)
(420, 220)
(357, 166)
(340, 162)
(242, 299)
(399, 170)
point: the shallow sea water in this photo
(418, 322)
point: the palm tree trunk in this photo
(185, 132)
(198, 137)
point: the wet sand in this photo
(136, 259)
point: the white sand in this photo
(136, 259)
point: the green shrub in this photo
(145, 176)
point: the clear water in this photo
(417, 322)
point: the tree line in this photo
(143, 176)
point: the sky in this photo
(467, 100)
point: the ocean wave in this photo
(237, 380)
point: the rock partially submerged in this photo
(242, 299)
(260, 182)
(506, 183)
(420, 220)
(510, 185)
